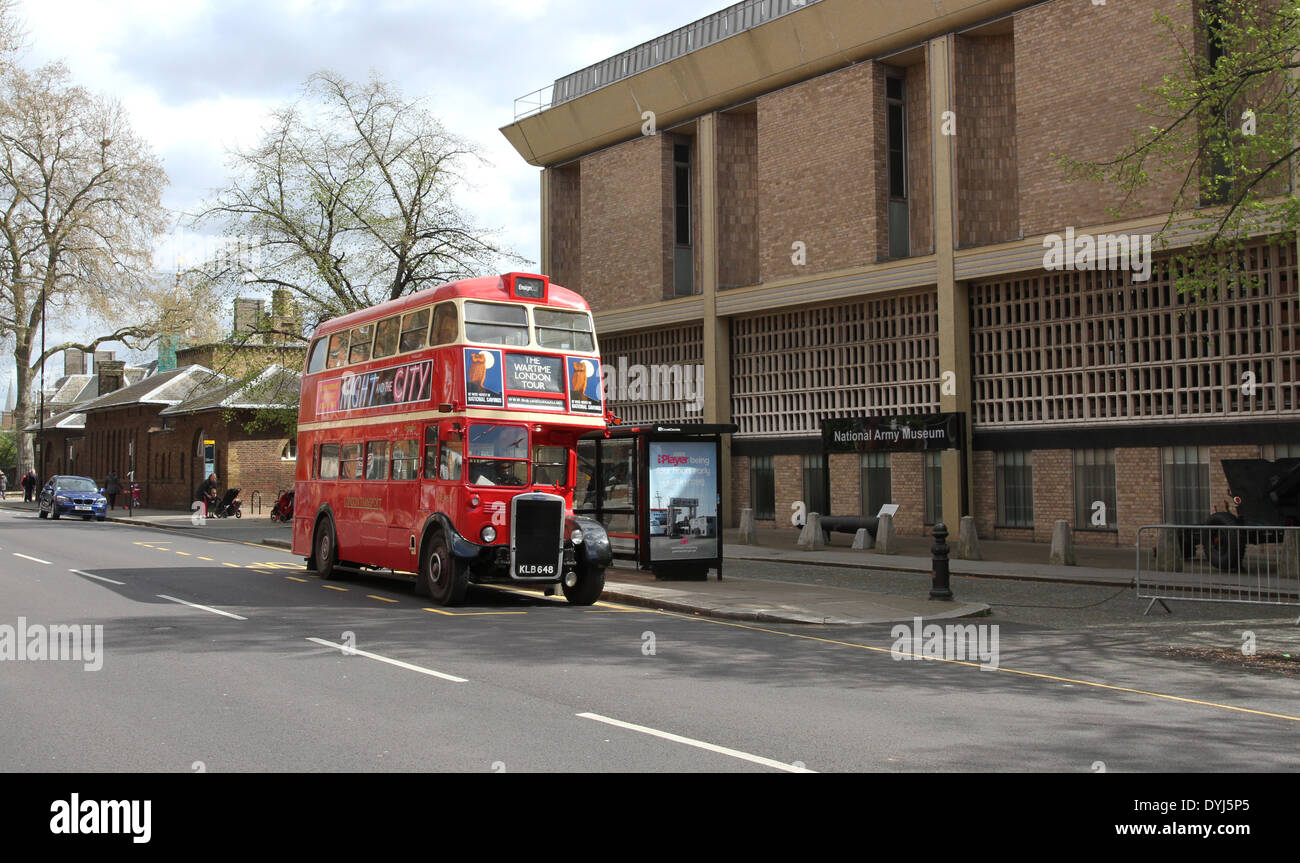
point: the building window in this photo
(1276, 451)
(933, 487)
(814, 484)
(1186, 474)
(683, 258)
(1015, 488)
(877, 482)
(290, 451)
(762, 488)
(896, 157)
(1094, 489)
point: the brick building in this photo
(836, 209)
(181, 424)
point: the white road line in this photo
(700, 744)
(408, 666)
(29, 557)
(92, 575)
(201, 607)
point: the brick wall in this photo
(1053, 490)
(737, 195)
(565, 225)
(622, 225)
(739, 487)
(907, 480)
(846, 484)
(817, 171)
(984, 482)
(788, 474)
(987, 205)
(920, 194)
(1138, 491)
(1080, 68)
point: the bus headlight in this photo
(576, 536)
(489, 533)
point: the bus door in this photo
(372, 501)
(404, 517)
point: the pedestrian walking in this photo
(112, 485)
(4, 484)
(28, 483)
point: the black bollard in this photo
(940, 589)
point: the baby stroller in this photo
(229, 505)
(283, 509)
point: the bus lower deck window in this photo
(405, 459)
(377, 459)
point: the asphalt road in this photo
(221, 657)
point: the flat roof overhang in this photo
(815, 40)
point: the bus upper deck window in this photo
(317, 360)
(496, 323)
(570, 331)
(359, 351)
(414, 325)
(338, 350)
(386, 333)
(445, 329)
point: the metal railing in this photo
(712, 28)
(1218, 563)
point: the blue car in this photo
(72, 495)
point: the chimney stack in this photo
(248, 317)
(111, 374)
(74, 362)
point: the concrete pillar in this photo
(748, 534)
(886, 541)
(863, 540)
(968, 542)
(952, 296)
(717, 331)
(1168, 552)
(811, 537)
(1062, 553)
(1289, 563)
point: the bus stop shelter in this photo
(657, 490)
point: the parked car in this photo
(72, 495)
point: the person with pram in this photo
(207, 495)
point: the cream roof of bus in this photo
(486, 288)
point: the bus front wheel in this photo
(326, 551)
(442, 577)
(588, 589)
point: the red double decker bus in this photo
(437, 435)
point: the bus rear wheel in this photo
(325, 556)
(442, 578)
(588, 589)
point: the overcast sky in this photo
(199, 77)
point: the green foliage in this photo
(1226, 123)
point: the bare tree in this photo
(348, 201)
(80, 207)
